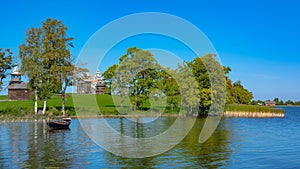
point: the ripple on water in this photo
(237, 143)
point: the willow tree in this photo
(5, 64)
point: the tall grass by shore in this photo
(252, 108)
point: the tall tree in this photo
(202, 77)
(189, 90)
(136, 75)
(5, 64)
(30, 54)
(47, 61)
(210, 76)
(36, 66)
(170, 87)
(57, 56)
(108, 76)
(242, 95)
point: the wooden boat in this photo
(60, 124)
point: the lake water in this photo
(237, 143)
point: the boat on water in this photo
(63, 123)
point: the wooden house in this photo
(17, 89)
(91, 85)
(99, 83)
(270, 103)
(84, 86)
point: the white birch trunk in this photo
(45, 105)
(63, 100)
(35, 101)
(63, 103)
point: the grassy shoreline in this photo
(253, 108)
(24, 109)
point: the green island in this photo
(194, 86)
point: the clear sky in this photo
(258, 39)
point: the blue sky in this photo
(259, 40)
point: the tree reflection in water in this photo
(31, 145)
(214, 153)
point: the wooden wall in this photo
(19, 94)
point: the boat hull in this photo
(59, 124)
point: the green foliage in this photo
(171, 88)
(58, 56)
(108, 76)
(241, 95)
(46, 59)
(296, 103)
(188, 86)
(257, 102)
(289, 102)
(137, 74)
(5, 64)
(277, 102)
(30, 54)
(211, 83)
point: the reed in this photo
(252, 108)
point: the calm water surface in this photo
(237, 143)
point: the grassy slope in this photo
(3, 97)
(105, 105)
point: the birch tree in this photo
(46, 60)
(57, 56)
(30, 54)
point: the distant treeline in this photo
(277, 101)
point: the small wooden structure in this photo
(270, 103)
(84, 86)
(17, 89)
(100, 87)
(99, 83)
(95, 85)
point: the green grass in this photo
(252, 108)
(95, 104)
(3, 97)
(26, 107)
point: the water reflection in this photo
(189, 153)
(32, 145)
(45, 148)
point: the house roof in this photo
(18, 86)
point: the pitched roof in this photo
(18, 86)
